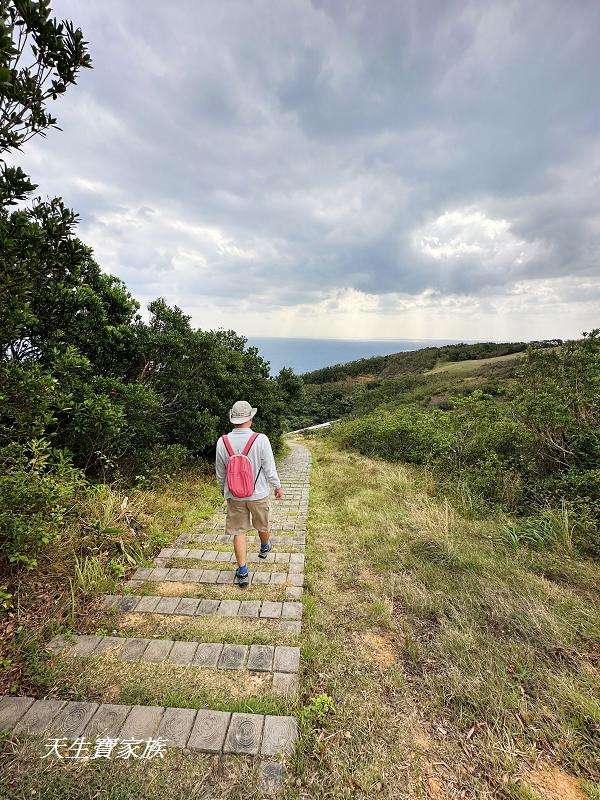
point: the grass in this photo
(105, 679)
(438, 662)
(180, 774)
(198, 563)
(454, 664)
(203, 629)
(253, 547)
(209, 591)
(251, 536)
(459, 367)
(253, 544)
(113, 534)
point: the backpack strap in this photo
(227, 443)
(249, 443)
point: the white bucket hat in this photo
(240, 412)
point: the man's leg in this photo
(263, 536)
(237, 523)
(260, 521)
(240, 548)
(265, 544)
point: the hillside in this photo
(473, 363)
(418, 361)
(429, 376)
(467, 659)
(463, 500)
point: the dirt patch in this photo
(553, 783)
(132, 620)
(435, 791)
(379, 647)
(422, 741)
(174, 588)
(352, 379)
(440, 401)
(112, 693)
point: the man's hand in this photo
(278, 493)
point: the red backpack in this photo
(240, 475)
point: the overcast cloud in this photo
(356, 169)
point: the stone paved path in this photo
(203, 730)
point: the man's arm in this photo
(269, 468)
(221, 465)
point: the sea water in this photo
(305, 355)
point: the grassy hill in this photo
(467, 662)
(417, 361)
(429, 376)
(456, 504)
(469, 365)
(504, 427)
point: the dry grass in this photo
(210, 592)
(459, 367)
(453, 665)
(198, 563)
(253, 547)
(203, 629)
(106, 679)
(187, 775)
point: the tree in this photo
(87, 389)
(54, 53)
(199, 374)
(291, 386)
(54, 294)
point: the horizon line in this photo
(405, 339)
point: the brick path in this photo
(204, 730)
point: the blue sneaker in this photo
(265, 549)
(242, 577)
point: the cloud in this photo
(365, 168)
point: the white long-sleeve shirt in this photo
(261, 456)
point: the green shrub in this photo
(317, 712)
(407, 434)
(163, 463)
(532, 449)
(38, 488)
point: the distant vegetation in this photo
(362, 385)
(520, 435)
(414, 361)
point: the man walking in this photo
(246, 470)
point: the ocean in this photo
(305, 355)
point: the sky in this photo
(340, 168)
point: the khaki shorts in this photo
(245, 514)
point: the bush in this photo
(407, 434)
(533, 449)
(162, 464)
(38, 488)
